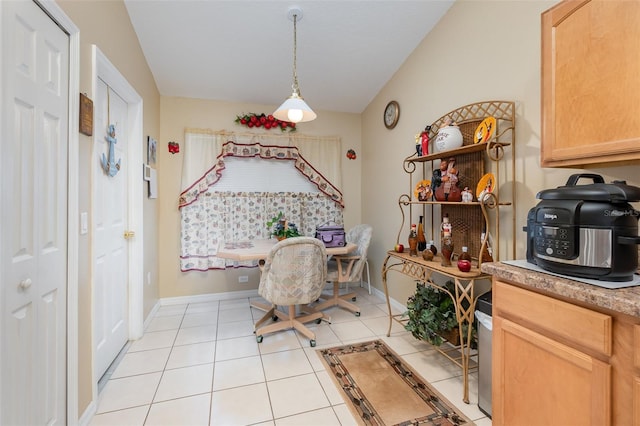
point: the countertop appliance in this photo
(585, 230)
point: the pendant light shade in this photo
(294, 108)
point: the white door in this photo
(33, 156)
(110, 210)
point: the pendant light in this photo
(295, 109)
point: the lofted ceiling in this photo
(242, 51)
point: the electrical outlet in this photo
(243, 279)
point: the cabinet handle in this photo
(129, 234)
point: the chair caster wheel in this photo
(357, 314)
(259, 339)
(353, 299)
(319, 320)
(312, 343)
(274, 318)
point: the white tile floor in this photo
(200, 364)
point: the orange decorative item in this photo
(423, 192)
(485, 130)
(485, 186)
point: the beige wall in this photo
(180, 113)
(480, 50)
(107, 25)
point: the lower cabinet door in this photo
(636, 379)
(636, 400)
(540, 381)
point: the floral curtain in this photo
(242, 216)
(209, 217)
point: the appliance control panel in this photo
(555, 241)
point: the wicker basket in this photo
(452, 336)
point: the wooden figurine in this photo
(448, 190)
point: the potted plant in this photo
(431, 314)
(281, 228)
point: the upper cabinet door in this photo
(590, 83)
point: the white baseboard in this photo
(212, 297)
(168, 301)
(87, 416)
(395, 305)
(151, 315)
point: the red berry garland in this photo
(266, 121)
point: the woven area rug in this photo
(380, 389)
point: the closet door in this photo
(33, 229)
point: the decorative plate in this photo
(423, 190)
(486, 184)
(485, 130)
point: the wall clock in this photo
(391, 114)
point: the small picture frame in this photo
(152, 150)
(86, 115)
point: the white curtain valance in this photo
(316, 157)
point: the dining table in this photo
(259, 250)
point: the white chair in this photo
(348, 268)
(366, 268)
(294, 273)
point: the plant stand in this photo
(464, 299)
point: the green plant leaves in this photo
(431, 312)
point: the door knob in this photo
(25, 284)
(129, 234)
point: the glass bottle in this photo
(413, 241)
(422, 241)
(446, 248)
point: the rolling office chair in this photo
(294, 273)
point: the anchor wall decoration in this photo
(110, 166)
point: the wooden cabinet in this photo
(636, 379)
(555, 362)
(590, 84)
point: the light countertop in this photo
(623, 300)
